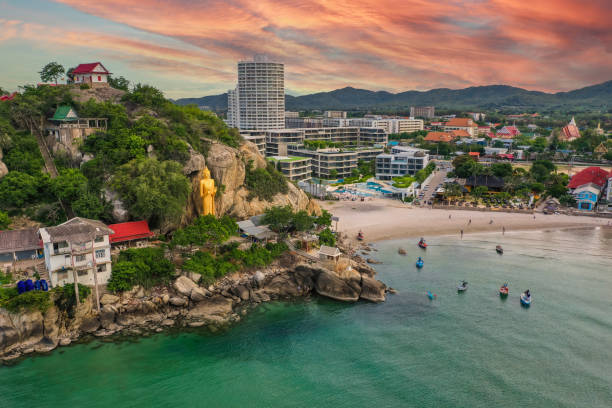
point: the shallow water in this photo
(465, 350)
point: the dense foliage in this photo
(66, 300)
(284, 220)
(327, 237)
(32, 300)
(142, 266)
(232, 259)
(152, 190)
(264, 183)
(206, 230)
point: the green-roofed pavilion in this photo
(65, 113)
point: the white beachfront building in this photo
(77, 248)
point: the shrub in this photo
(5, 278)
(84, 86)
(264, 183)
(32, 300)
(140, 266)
(65, 299)
(327, 237)
(5, 221)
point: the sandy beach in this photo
(382, 219)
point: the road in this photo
(438, 178)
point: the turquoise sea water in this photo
(468, 350)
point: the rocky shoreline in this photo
(185, 304)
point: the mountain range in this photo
(595, 97)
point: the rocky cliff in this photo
(227, 166)
(184, 304)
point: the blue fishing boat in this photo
(526, 298)
(420, 262)
(430, 295)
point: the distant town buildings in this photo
(466, 124)
(508, 132)
(335, 114)
(427, 112)
(258, 102)
(569, 132)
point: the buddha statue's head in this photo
(206, 173)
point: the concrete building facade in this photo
(258, 102)
(400, 162)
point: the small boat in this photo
(462, 286)
(526, 298)
(499, 249)
(360, 236)
(503, 291)
(420, 262)
(422, 244)
(431, 295)
(401, 251)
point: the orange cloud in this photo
(384, 44)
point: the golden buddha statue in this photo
(207, 192)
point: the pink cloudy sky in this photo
(190, 47)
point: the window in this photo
(99, 239)
(57, 246)
(100, 253)
(99, 78)
(83, 272)
(79, 258)
(101, 268)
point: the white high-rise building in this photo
(233, 118)
(258, 103)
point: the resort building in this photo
(587, 196)
(65, 126)
(427, 112)
(493, 183)
(569, 132)
(400, 162)
(277, 140)
(466, 124)
(294, 168)
(77, 249)
(258, 102)
(393, 125)
(335, 114)
(258, 138)
(330, 162)
(289, 114)
(93, 74)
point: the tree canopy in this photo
(51, 72)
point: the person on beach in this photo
(491, 222)
(503, 230)
(449, 216)
(461, 234)
(470, 221)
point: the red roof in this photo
(8, 97)
(128, 231)
(89, 69)
(438, 137)
(475, 154)
(595, 175)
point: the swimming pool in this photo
(354, 192)
(370, 185)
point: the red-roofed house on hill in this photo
(130, 231)
(92, 74)
(570, 132)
